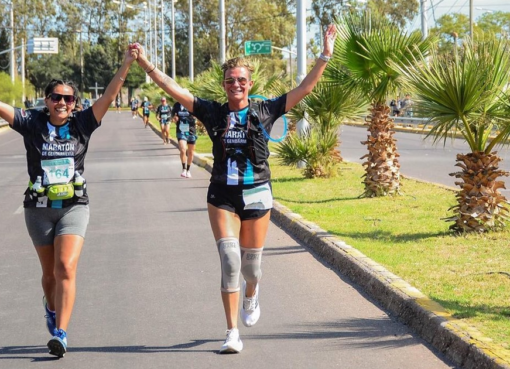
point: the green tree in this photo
(468, 95)
(10, 92)
(397, 11)
(4, 45)
(366, 50)
(245, 20)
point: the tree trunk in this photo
(382, 168)
(481, 207)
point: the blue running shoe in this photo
(58, 344)
(51, 320)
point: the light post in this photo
(163, 34)
(12, 42)
(222, 31)
(190, 41)
(290, 52)
(155, 29)
(81, 59)
(122, 6)
(173, 37)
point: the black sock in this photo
(183, 166)
(187, 167)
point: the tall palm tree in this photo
(468, 95)
(367, 49)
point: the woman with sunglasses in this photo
(56, 203)
(239, 196)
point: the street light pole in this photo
(12, 42)
(163, 65)
(81, 61)
(173, 38)
(150, 47)
(222, 32)
(155, 61)
(471, 19)
(190, 40)
(424, 27)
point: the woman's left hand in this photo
(329, 40)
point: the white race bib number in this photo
(184, 127)
(258, 198)
(58, 170)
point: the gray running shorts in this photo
(44, 224)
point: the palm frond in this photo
(465, 94)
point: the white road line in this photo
(19, 210)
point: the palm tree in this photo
(468, 95)
(325, 109)
(366, 52)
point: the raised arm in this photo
(308, 83)
(102, 104)
(7, 113)
(168, 85)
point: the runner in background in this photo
(146, 107)
(134, 107)
(163, 116)
(117, 103)
(185, 131)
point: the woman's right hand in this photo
(141, 58)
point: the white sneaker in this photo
(233, 343)
(250, 312)
(183, 174)
(188, 174)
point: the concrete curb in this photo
(459, 342)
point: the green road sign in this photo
(257, 47)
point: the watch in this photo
(324, 57)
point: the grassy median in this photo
(467, 275)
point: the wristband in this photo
(122, 79)
(324, 57)
(149, 67)
(152, 70)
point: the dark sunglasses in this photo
(231, 80)
(55, 98)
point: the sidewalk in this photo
(461, 343)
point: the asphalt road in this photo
(148, 278)
(420, 157)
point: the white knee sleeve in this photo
(250, 264)
(230, 256)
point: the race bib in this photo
(164, 116)
(258, 198)
(58, 170)
(184, 127)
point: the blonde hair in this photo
(238, 62)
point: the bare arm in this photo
(308, 83)
(168, 85)
(102, 104)
(7, 113)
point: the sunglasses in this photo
(231, 80)
(55, 98)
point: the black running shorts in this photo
(230, 198)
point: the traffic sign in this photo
(43, 45)
(257, 47)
